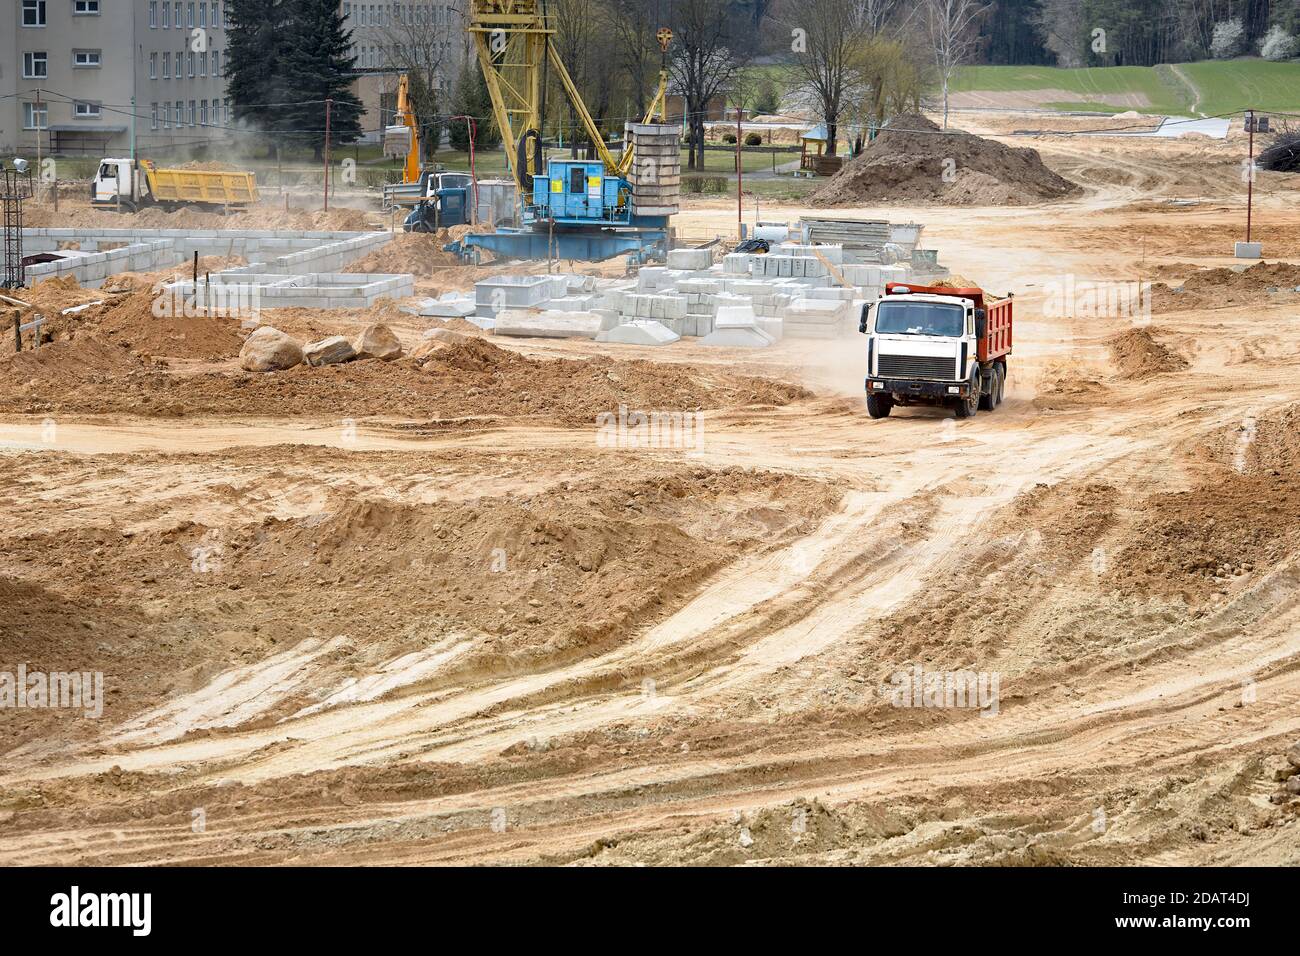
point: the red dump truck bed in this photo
(996, 341)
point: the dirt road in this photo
(397, 642)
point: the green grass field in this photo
(1217, 86)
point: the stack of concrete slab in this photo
(818, 319)
(548, 324)
(863, 240)
(692, 260)
(656, 171)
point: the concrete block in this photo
(738, 338)
(1248, 250)
(549, 325)
(639, 333)
(690, 259)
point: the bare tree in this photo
(582, 39)
(950, 27)
(827, 37)
(430, 58)
(703, 66)
(1060, 22)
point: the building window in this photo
(35, 66)
(153, 14)
(153, 66)
(33, 13)
(203, 14)
(177, 20)
(88, 59)
(153, 115)
(203, 112)
(180, 113)
(36, 115)
(190, 16)
(216, 15)
(83, 110)
(85, 8)
(167, 66)
(203, 64)
(190, 64)
(225, 109)
(216, 62)
(191, 112)
(347, 9)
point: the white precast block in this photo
(548, 325)
(735, 316)
(693, 260)
(639, 333)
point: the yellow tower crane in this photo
(513, 40)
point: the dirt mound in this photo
(50, 296)
(470, 380)
(1223, 287)
(1197, 542)
(913, 161)
(419, 253)
(269, 214)
(1138, 355)
(79, 366)
(1266, 444)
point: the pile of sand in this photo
(1138, 355)
(1223, 287)
(269, 214)
(913, 161)
(472, 383)
(418, 253)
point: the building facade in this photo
(71, 70)
(389, 39)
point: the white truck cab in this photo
(935, 346)
(115, 177)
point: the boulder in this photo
(1293, 754)
(331, 351)
(1293, 785)
(269, 350)
(379, 342)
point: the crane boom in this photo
(513, 41)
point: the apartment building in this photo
(391, 38)
(71, 69)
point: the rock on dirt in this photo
(378, 341)
(1293, 754)
(913, 160)
(269, 350)
(330, 351)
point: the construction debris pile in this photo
(914, 161)
(1225, 287)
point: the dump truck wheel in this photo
(968, 407)
(879, 406)
(1002, 383)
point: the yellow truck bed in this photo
(199, 185)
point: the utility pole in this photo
(328, 104)
(740, 177)
(1250, 171)
(132, 132)
(38, 124)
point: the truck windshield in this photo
(920, 318)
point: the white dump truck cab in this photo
(115, 177)
(935, 346)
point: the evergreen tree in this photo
(317, 65)
(472, 99)
(257, 33)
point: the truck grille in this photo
(918, 366)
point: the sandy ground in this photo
(339, 630)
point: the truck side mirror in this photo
(864, 319)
